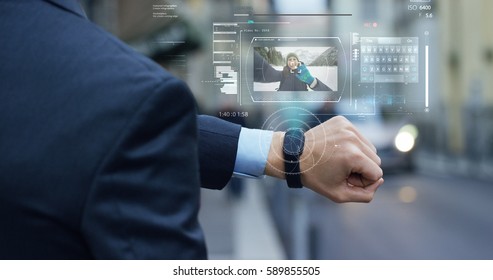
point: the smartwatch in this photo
(294, 141)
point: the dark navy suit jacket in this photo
(99, 156)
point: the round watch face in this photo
(294, 140)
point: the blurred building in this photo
(176, 34)
(457, 132)
(466, 68)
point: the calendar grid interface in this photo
(389, 60)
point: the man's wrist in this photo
(253, 149)
(275, 160)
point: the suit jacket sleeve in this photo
(218, 144)
(144, 201)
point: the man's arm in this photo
(144, 200)
(218, 144)
(337, 162)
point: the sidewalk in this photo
(239, 228)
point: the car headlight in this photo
(406, 138)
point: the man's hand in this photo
(337, 162)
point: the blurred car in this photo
(394, 137)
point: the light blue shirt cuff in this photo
(253, 149)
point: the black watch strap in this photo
(294, 141)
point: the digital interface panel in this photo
(360, 65)
(389, 59)
(269, 78)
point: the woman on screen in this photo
(294, 76)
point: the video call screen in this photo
(361, 65)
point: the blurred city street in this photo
(239, 227)
(414, 216)
(438, 205)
